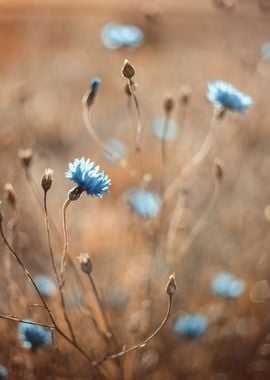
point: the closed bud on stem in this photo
(25, 155)
(10, 195)
(86, 263)
(218, 169)
(47, 179)
(75, 193)
(128, 70)
(185, 94)
(168, 104)
(171, 285)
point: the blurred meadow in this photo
(189, 196)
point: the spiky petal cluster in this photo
(88, 177)
(191, 326)
(34, 337)
(225, 284)
(224, 95)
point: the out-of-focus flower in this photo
(115, 36)
(224, 95)
(163, 131)
(266, 51)
(191, 326)
(117, 298)
(117, 148)
(145, 203)
(3, 372)
(33, 336)
(45, 285)
(225, 284)
(88, 177)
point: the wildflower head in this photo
(225, 284)
(88, 177)
(165, 129)
(115, 151)
(25, 155)
(45, 285)
(10, 195)
(33, 337)
(145, 203)
(191, 326)
(115, 36)
(224, 95)
(3, 372)
(171, 285)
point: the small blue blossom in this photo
(3, 372)
(116, 147)
(145, 203)
(266, 51)
(87, 176)
(191, 326)
(117, 298)
(94, 84)
(225, 284)
(223, 94)
(115, 36)
(45, 285)
(168, 134)
(33, 337)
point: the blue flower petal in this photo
(165, 132)
(145, 203)
(45, 285)
(191, 326)
(115, 35)
(34, 336)
(225, 284)
(86, 175)
(223, 94)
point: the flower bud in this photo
(86, 263)
(25, 155)
(171, 285)
(47, 179)
(128, 70)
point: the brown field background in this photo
(49, 51)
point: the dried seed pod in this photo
(128, 70)
(25, 155)
(47, 179)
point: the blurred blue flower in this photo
(168, 134)
(115, 35)
(45, 285)
(266, 50)
(223, 94)
(145, 203)
(117, 298)
(34, 336)
(3, 372)
(116, 147)
(87, 176)
(94, 84)
(191, 326)
(225, 284)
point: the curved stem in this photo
(144, 342)
(30, 279)
(65, 250)
(62, 298)
(86, 115)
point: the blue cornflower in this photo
(115, 36)
(223, 94)
(45, 285)
(87, 176)
(225, 284)
(3, 372)
(167, 133)
(144, 202)
(34, 336)
(116, 147)
(191, 326)
(94, 84)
